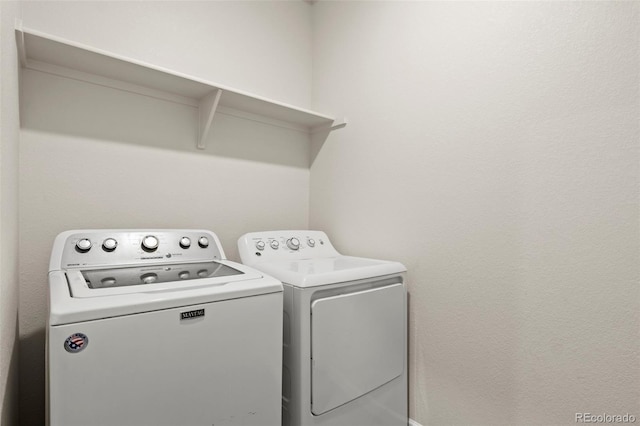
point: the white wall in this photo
(9, 137)
(493, 149)
(93, 157)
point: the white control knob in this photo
(184, 275)
(109, 244)
(260, 245)
(150, 243)
(293, 243)
(185, 242)
(274, 244)
(83, 245)
(311, 242)
(203, 242)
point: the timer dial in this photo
(293, 243)
(150, 243)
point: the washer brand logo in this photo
(76, 342)
(192, 314)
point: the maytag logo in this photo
(192, 314)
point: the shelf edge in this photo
(21, 31)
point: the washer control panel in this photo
(111, 247)
(295, 244)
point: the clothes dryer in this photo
(155, 327)
(345, 330)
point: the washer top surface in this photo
(98, 274)
(309, 260)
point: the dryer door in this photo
(357, 344)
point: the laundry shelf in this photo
(54, 55)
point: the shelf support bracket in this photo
(337, 124)
(206, 110)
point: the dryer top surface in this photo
(323, 271)
(306, 258)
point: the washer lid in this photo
(71, 299)
(136, 279)
(329, 270)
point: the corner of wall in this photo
(9, 136)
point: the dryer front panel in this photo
(357, 344)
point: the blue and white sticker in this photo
(76, 342)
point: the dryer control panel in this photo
(283, 245)
(116, 247)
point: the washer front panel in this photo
(166, 368)
(357, 344)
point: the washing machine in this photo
(155, 327)
(345, 330)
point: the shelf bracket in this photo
(206, 110)
(337, 124)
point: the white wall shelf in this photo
(54, 55)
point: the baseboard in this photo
(413, 423)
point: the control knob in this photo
(150, 243)
(109, 244)
(185, 242)
(311, 242)
(260, 245)
(83, 245)
(203, 242)
(293, 243)
(274, 244)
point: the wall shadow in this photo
(60, 105)
(32, 379)
(9, 414)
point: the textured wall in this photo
(94, 157)
(260, 47)
(492, 147)
(9, 137)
